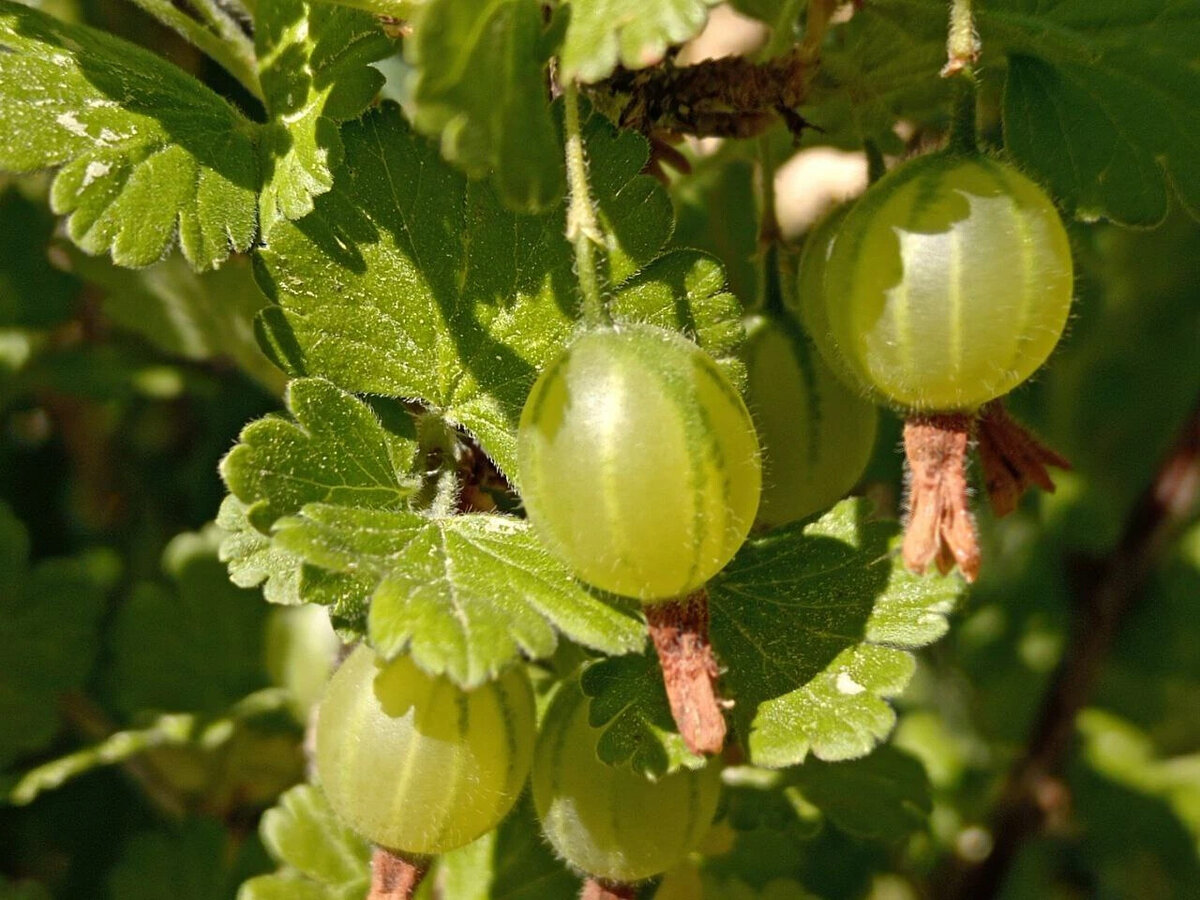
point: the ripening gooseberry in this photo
(638, 462)
(816, 433)
(946, 285)
(416, 764)
(609, 821)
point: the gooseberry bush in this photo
(458, 449)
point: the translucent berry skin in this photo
(816, 433)
(414, 763)
(609, 821)
(639, 465)
(947, 284)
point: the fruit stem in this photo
(962, 52)
(595, 889)
(679, 629)
(939, 528)
(394, 877)
(583, 231)
(876, 164)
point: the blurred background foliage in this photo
(150, 710)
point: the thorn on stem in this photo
(393, 877)
(679, 629)
(1013, 459)
(940, 529)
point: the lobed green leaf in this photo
(819, 683)
(602, 34)
(313, 63)
(479, 86)
(1099, 99)
(410, 281)
(193, 642)
(628, 700)
(318, 856)
(464, 594)
(336, 451)
(147, 155)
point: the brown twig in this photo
(728, 97)
(679, 629)
(394, 877)
(1034, 791)
(595, 889)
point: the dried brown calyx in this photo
(940, 529)
(395, 877)
(595, 889)
(679, 629)
(1013, 460)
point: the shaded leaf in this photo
(315, 73)
(811, 621)
(884, 796)
(49, 618)
(602, 34)
(206, 649)
(409, 281)
(628, 700)
(1099, 101)
(202, 316)
(479, 86)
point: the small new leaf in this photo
(313, 62)
(480, 87)
(820, 684)
(464, 594)
(319, 857)
(147, 155)
(410, 281)
(602, 34)
(629, 702)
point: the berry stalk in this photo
(395, 877)
(679, 629)
(597, 889)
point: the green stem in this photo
(962, 52)
(816, 24)
(169, 730)
(583, 231)
(237, 58)
(876, 165)
(963, 125)
(770, 297)
(221, 20)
